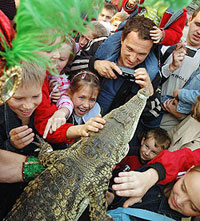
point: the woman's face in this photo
(185, 195)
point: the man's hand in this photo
(176, 93)
(56, 121)
(106, 68)
(142, 78)
(22, 136)
(170, 106)
(156, 34)
(178, 56)
(134, 185)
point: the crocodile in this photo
(79, 176)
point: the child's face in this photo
(84, 39)
(115, 24)
(184, 195)
(148, 149)
(105, 15)
(59, 56)
(25, 100)
(84, 100)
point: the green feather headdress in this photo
(39, 22)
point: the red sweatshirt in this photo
(174, 32)
(175, 162)
(42, 114)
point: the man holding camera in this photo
(135, 53)
(178, 68)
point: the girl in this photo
(177, 201)
(83, 92)
(46, 110)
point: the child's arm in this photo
(157, 34)
(45, 111)
(92, 125)
(173, 33)
(57, 120)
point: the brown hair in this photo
(196, 11)
(111, 8)
(160, 136)
(98, 30)
(32, 73)
(84, 78)
(196, 109)
(138, 24)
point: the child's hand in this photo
(93, 125)
(22, 136)
(55, 95)
(56, 121)
(156, 34)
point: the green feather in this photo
(38, 24)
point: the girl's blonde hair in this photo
(196, 109)
(70, 41)
(84, 78)
(119, 16)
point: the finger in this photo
(116, 68)
(131, 201)
(27, 139)
(18, 130)
(23, 134)
(47, 128)
(85, 134)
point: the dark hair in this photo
(84, 78)
(196, 11)
(160, 136)
(138, 24)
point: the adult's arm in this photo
(11, 166)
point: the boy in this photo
(16, 117)
(155, 141)
(107, 13)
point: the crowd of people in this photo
(161, 172)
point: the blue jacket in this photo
(111, 89)
(188, 94)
